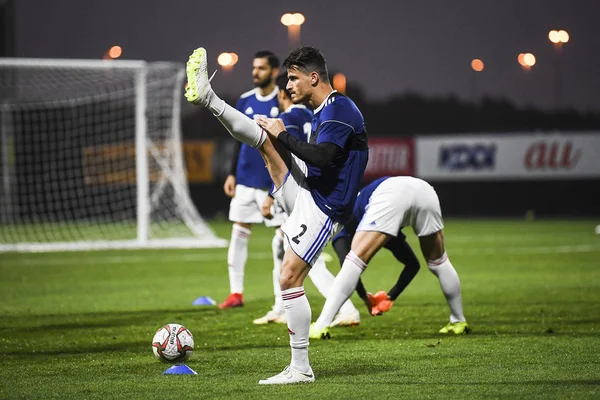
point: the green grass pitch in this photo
(79, 325)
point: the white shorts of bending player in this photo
(246, 205)
(307, 229)
(403, 201)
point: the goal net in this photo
(91, 158)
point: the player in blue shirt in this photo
(249, 182)
(297, 120)
(382, 209)
(316, 182)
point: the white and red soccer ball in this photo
(173, 343)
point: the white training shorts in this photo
(307, 229)
(246, 206)
(403, 201)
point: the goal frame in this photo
(205, 237)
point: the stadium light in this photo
(113, 53)
(293, 23)
(529, 59)
(227, 60)
(477, 65)
(526, 60)
(339, 82)
(558, 38)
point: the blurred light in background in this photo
(477, 65)
(339, 82)
(526, 60)
(227, 60)
(298, 19)
(289, 19)
(558, 37)
(113, 53)
(529, 59)
(293, 22)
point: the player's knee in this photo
(288, 279)
(436, 263)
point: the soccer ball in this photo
(173, 343)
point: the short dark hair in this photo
(270, 56)
(308, 59)
(281, 81)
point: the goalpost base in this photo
(173, 243)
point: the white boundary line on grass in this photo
(97, 258)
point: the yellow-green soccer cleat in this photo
(318, 334)
(198, 83)
(457, 328)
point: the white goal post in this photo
(91, 157)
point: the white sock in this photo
(445, 272)
(297, 313)
(237, 256)
(239, 125)
(277, 247)
(343, 286)
(322, 278)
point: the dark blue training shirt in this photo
(297, 120)
(334, 187)
(251, 170)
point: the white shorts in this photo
(308, 229)
(403, 201)
(246, 205)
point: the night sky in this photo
(387, 47)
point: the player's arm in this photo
(332, 139)
(319, 155)
(230, 182)
(403, 253)
(235, 158)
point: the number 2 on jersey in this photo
(296, 239)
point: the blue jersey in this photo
(334, 187)
(362, 201)
(251, 170)
(297, 120)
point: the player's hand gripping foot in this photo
(381, 302)
(316, 333)
(457, 328)
(198, 85)
(270, 317)
(289, 376)
(233, 300)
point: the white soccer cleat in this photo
(271, 317)
(289, 376)
(348, 319)
(198, 83)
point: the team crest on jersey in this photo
(249, 111)
(274, 112)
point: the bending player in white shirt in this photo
(383, 208)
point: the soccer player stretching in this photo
(297, 120)
(383, 208)
(315, 182)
